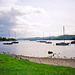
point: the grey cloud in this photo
(7, 19)
(10, 16)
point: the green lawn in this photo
(13, 66)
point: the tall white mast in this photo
(63, 33)
(43, 35)
(9, 34)
(15, 34)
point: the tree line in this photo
(7, 39)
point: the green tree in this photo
(0, 38)
(4, 39)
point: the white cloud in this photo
(32, 18)
(9, 3)
(15, 18)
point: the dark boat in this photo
(15, 42)
(8, 43)
(48, 42)
(73, 42)
(62, 43)
(42, 41)
(50, 52)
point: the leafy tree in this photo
(72, 38)
(7, 39)
(0, 38)
(4, 39)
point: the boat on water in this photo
(63, 43)
(73, 42)
(48, 42)
(42, 41)
(15, 42)
(8, 43)
(50, 52)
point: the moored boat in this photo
(62, 43)
(8, 43)
(15, 42)
(42, 41)
(73, 42)
(50, 52)
(48, 42)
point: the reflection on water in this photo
(36, 49)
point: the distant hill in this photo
(66, 37)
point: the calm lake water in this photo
(36, 49)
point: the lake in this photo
(36, 49)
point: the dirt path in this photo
(51, 61)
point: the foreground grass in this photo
(13, 66)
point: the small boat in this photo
(48, 42)
(73, 42)
(50, 52)
(42, 41)
(15, 42)
(8, 43)
(62, 43)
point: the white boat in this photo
(8, 43)
(63, 43)
(15, 42)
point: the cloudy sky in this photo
(32, 18)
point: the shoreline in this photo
(49, 61)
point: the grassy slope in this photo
(14, 66)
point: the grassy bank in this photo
(13, 66)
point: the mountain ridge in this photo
(60, 37)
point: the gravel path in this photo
(51, 61)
